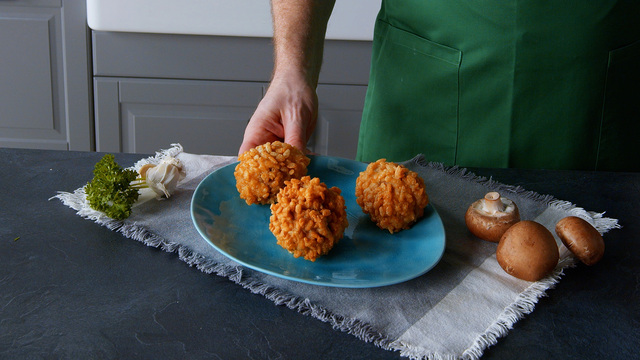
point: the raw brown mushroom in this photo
(490, 217)
(581, 238)
(528, 251)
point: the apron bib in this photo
(497, 83)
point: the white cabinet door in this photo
(44, 75)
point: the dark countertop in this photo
(72, 289)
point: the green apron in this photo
(506, 83)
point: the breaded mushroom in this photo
(263, 170)
(392, 195)
(308, 218)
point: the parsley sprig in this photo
(113, 190)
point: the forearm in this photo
(299, 32)
(289, 110)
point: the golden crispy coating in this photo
(391, 194)
(308, 218)
(263, 170)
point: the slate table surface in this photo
(72, 289)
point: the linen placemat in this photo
(456, 310)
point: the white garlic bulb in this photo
(164, 177)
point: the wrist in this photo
(294, 76)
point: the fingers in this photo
(264, 126)
(260, 130)
(286, 113)
(300, 123)
(246, 145)
(294, 133)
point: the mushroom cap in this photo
(528, 251)
(581, 238)
(488, 226)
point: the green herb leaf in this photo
(110, 191)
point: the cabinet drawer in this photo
(144, 115)
(172, 56)
(40, 3)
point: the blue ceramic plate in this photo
(365, 257)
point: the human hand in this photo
(288, 112)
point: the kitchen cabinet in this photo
(144, 115)
(44, 75)
(339, 115)
(154, 89)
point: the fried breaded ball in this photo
(308, 218)
(263, 170)
(392, 195)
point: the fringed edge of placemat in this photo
(524, 304)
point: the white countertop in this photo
(351, 19)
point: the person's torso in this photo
(505, 83)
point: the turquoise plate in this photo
(365, 257)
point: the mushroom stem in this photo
(492, 203)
